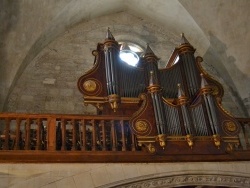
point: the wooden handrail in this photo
(60, 116)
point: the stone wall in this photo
(228, 174)
(49, 83)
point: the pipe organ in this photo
(174, 110)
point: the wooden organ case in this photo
(175, 110)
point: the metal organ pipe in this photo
(155, 90)
(156, 114)
(203, 122)
(188, 64)
(160, 111)
(185, 114)
(113, 69)
(193, 113)
(176, 121)
(193, 73)
(186, 54)
(186, 119)
(209, 114)
(214, 116)
(111, 49)
(211, 110)
(171, 122)
(187, 73)
(107, 69)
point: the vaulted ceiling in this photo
(218, 29)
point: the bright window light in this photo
(129, 57)
(134, 48)
(130, 52)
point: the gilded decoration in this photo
(215, 90)
(151, 148)
(230, 126)
(141, 126)
(89, 85)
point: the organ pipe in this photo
(185, 114)
(186, 54)
(111, 51)
(211, 109)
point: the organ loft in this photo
(144, 114)
(173, 110)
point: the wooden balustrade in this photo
(64, 132)
(78, 138)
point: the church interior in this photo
(75, 112)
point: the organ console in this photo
(173, 110)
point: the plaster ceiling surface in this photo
(218, 29)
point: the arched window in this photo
(130, 53)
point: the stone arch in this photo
(183, 180)
(48, 83)
(76, 12)
(126, 25)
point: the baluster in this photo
(93, 135)
(38, 142)
(27, 135)
(133, 141)
(123, 136)
(73, 122)
(7, 134)
(51, 135)
(103, 136)
(114, 144)
(44, 139)
(83, 133)
(63, 127)
(17, 141)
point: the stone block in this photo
(27, 98)
(66, 92)
(49, 81)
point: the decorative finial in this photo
(109, 35)
(180, 91)
(149, 50)
(183, 39)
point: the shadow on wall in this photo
(8, 20)
(216, 56)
